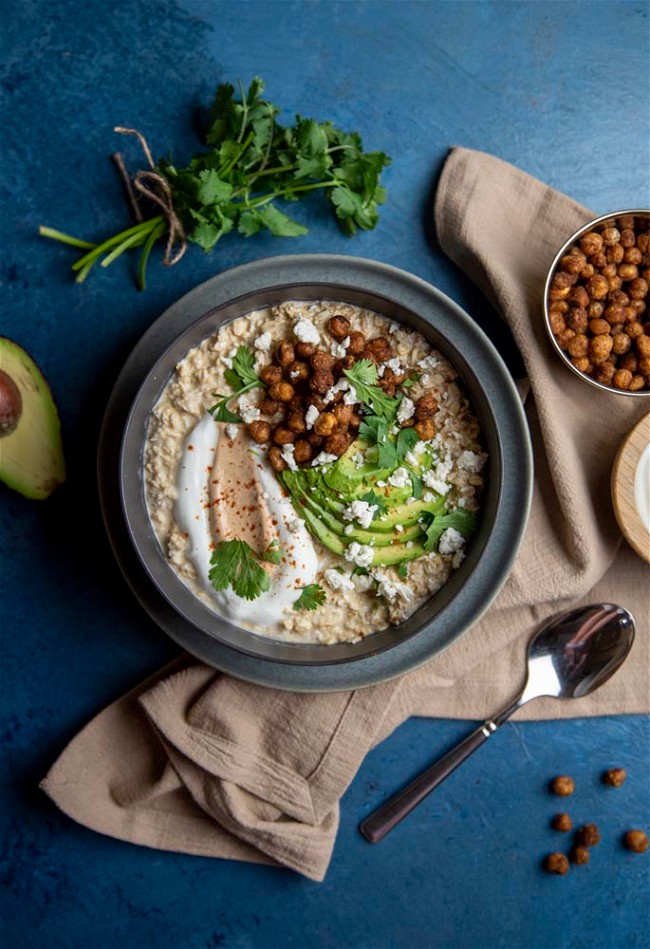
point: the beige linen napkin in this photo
(198, 762)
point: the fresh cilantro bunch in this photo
(251, 163)
(235, 564)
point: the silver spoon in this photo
(570, 656)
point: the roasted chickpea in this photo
(281, 391)
(562, 822)
(556, 863)
(348, 361)
(380, 348)
(637, 383)
(283, 436)
(597, 288)
(604, 372)
(636, 841)
(338, 443)
(322, 381)
(610, 236)
(580, 855)
(564, 337)
(621, 344)
(614, 283)
(425, 407)
(321, 360)
(633, 256)
(558, 306)
(598, 327)
(595, 309)
(314, 439)
(302, 451)
(615, 254)
(271, 374)
(587, 271)
(572, 263)
(343, 414)
(276, 460)
(558, 323)
(563, 785)
(628, 272)
(269, 406)
(625, 222)
(588, 836)
(316, 401)
(644, 365)
(296, 421)
(614, 313)
(297, 371)
(599, 348)
(338, 327)
(325, 423)
(628, 237)
(643, 241)
(643, 344)
(388, 384)
(425, 429)
(577, 319)
(284, 353)
(304, 350)
(637, 288)
(591, 243)
(630, 362)
(578, 296)
(578, 346)
(583, 364)
(622, 379)
(358, 342)
(259, 431)
(355, 421)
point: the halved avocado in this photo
(31, 452)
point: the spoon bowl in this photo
(572, 654)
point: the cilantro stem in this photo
(143, 228)
(146, 250)
(64, 238)
(134, 239)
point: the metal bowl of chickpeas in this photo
(596, 301)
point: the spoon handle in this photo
(375, 827)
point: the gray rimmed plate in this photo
(445, 616)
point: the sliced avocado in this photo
(324, 534)
(344, 476)
(31, 452)
(397, 553)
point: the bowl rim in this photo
(368, 276)
(547, 284)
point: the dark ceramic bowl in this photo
(445, 616)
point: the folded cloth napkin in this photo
(198, 762)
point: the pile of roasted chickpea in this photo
(301, 375)
(597, 303)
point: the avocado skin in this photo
(31, 455)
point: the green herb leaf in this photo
(406, 439)
(460, 519)
(371, 497)
(363, 376)
(235, 564)
(411, 379)
(211, 189)
(243, 365)
(278, 223)
(403, 571)
(417, 483)
(272, 554)
(221, 412)
(311, 598)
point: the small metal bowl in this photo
(442, 618)
(596, 222)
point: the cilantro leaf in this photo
(406, 439)
(243, 365)
(278, 223)
(371, 497)
(363, 376)
(417, 484)
(411, 379)
(461, 520)
(220, 410)
(234, 564)
(272, 554)
(211, 189)
(403, 571)
(311, 597)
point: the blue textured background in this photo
(561, 90)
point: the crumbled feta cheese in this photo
(471, 461)
(362, 581)
(420, 447)
(351, 397)
(324, 458)
(427, 497)
(399, 478)
(249, 413)
(263, 343)
(232, 431)
(409, 543)
(451, 540)
(358, 460)
(429, 362)
(306, 332)
(338, 350)
(349, 529)
(406, 409)
(295, 525)
(462, 502)
(399, 528)
(425, 379)
(434, 482)
(394, 365)
(394, 328)
(382, 484)
(391, 590)
(360, 554)
(338, 581)
(311, 415)
(361, 511)
(394, 429)
(457, 559)
(341, 386)
(287, 454)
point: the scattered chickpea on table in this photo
(597, 304)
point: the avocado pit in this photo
(11, 404)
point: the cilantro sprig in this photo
(311, 597)
(463, 521)
(241, 376)
(364, 378)
(252, 162)
(235, 564)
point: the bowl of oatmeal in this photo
(325, 474)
